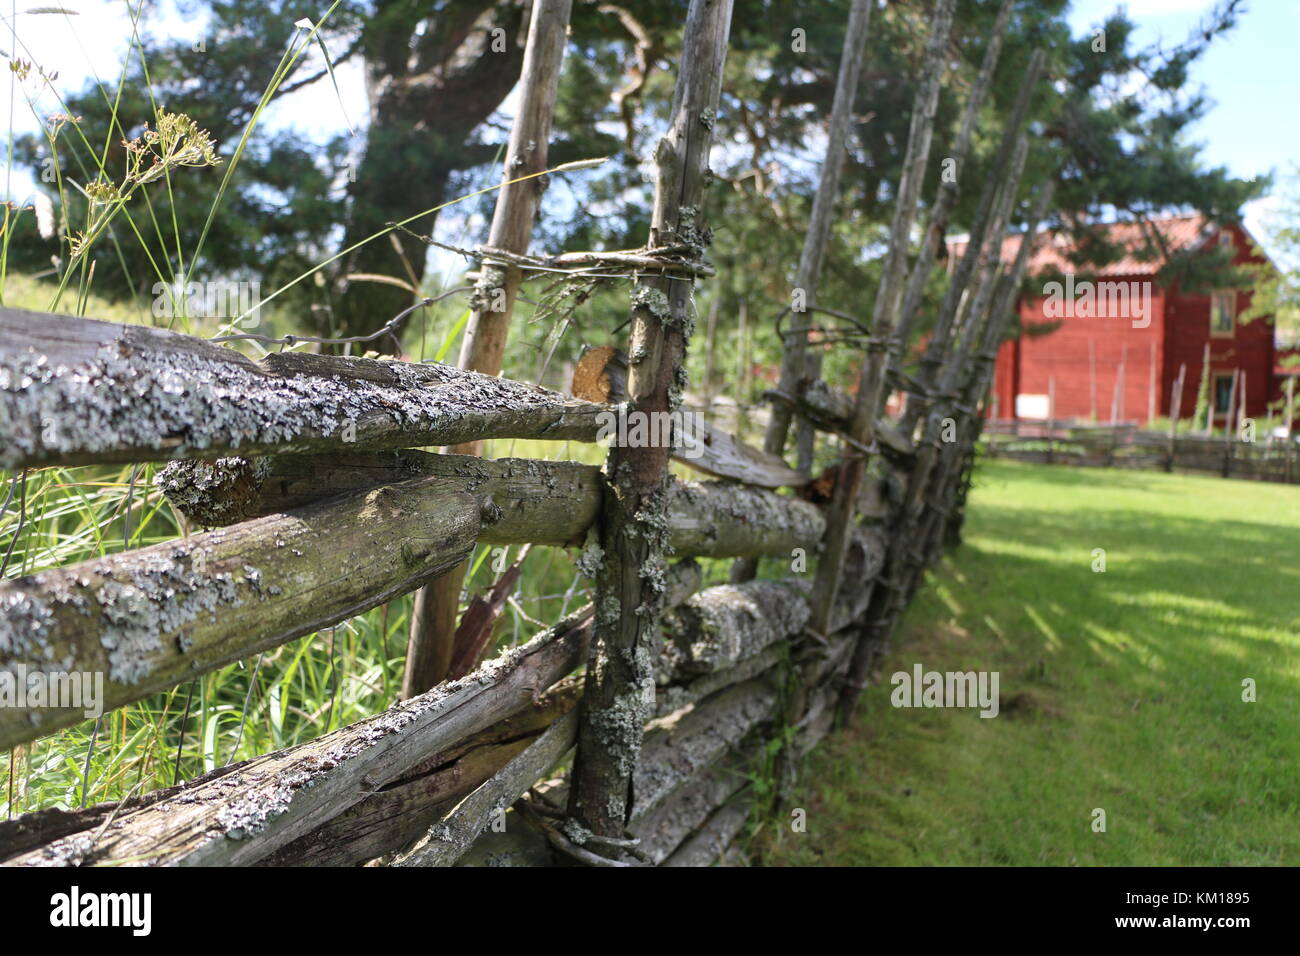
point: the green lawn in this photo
(1120, 690)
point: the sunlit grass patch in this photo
(1121, 690)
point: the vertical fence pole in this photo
(945, 200)
(619, 692)
(1290, 415)
(1228, 430)
(433, 615)
(872, 375)
(936, 348)
(794, 354)
(1175, 409)
(899, 575)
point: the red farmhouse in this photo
(1109, 346)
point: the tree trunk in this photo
(431, 85)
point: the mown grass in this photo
(1120, 690)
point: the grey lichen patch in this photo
(780, 516)
(676, 390)
(153, 594)
(575, 831)
(249, 814)
(652, 300)
(213, 493)
(610, 611)
(148, 392)
(490, 289)
(723, 625)
(590, 560)
(25, 623)
(618, 727)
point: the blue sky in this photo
(1251, 75)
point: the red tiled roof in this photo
(1051, 248)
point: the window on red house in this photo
(1223, 312)
(1222, 393)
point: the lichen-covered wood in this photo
(400, 812)
(620, 679)
(244, 816)
(150, 619)
(539, 502)
(451, 836)
(78, 391)
(542, 502)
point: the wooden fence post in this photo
(871, 379)
(794, 354)
(1175, 409)
(819, 224)
(1227, 423)
(945, 200)
(896, 580)
(937, 347)
(620, 680)
(1290, 415)
(434, 612)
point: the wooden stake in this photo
(434, 613)
(871, 378)
(819, 225)
(629, 584)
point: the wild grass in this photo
(1121, 690)
(59, 516)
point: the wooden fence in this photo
(666, 694)
(1127, 446)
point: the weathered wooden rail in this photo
(655, 701)
(1120, 446)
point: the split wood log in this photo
(664, 828)
(720, 627)
(32, 830)
(539, 502)
(449, 838)
(711, 841)
(389, 816)
(245, 816)
(150, 619)
(672, 697)
(398, 813)
(679, 746)
(81, 391)
(518, 845)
